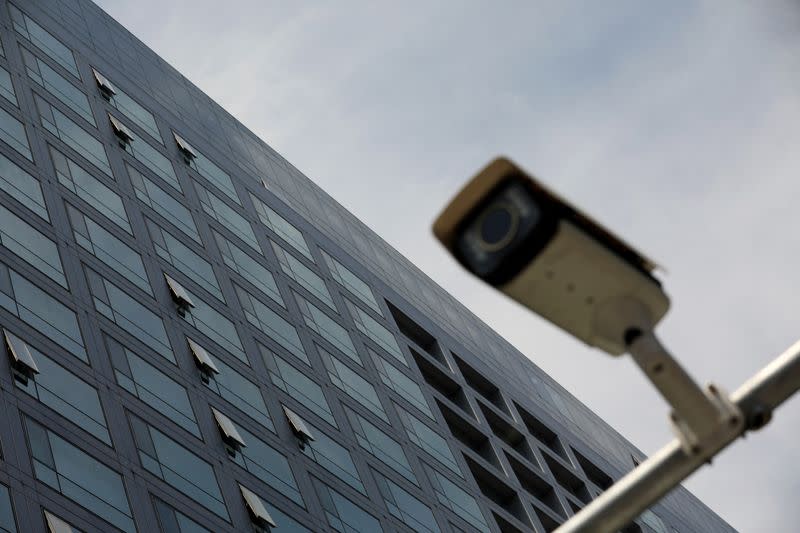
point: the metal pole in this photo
(664, 470)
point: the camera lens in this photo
(498, 225)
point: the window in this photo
(227, 216)
(268, 465)
(375, 331)
(256, 508)
(41, 311)
(152, 386)
(206, 168)
(215, 326)
(162, 203)
(286, 524)
(402, 385)
(333, 457)
(282, 227)
(294, 383)
(131, 109)
(43, 40)
(12, 132)
(184, 259)
(31, 245)
(307, 278)
(78, 476)
(352, 384)
(57, 85)
(7, 87)
(90, 189)
(351, 282)
(270, 322)
(404, 506)
(57, 525)
(173, 521)
(456, 499)
(250, 269)
(67, 394)
(327, 328)
(177, 466)
(342, 514)
(380, 445)
(7, 522)
(73, 135)
(21, 186)
(423, 436)
(157, 162)
(122, 309)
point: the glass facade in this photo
(304, 316)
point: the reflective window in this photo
(286, 524)
(78, 476)
(157, 162)
(239, 392)
(271, 323)
(299, 387)
(109, 249)
(404, 506)
(73, 135)
(67, 394)
(184, 259)
(57, 85)
(282, 227)
(89, 189)
(135, 113)
(381, 445)
(429, 440)
(403, 385)
(12, 132)
(43, 40)
(352, 384)
(180, 468)
(375, 331)
(351, 282)
(7, 87)
(173, 521)
(303, 275)
(342, 514)
(7, 522)
(333, 457)
(152, 386)
(42, 311)
(456, 499)
(215, 175)
(31, 245)
(240, 262)
(21, 186)
(227, 216)
(268, 465)
(122, 309)
(215, 326)
(162, 203)
(328, 328)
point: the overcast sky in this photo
(675, 123)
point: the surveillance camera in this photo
(509, 230)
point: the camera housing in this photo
(509, 230)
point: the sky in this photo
(676, 124)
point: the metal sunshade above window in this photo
(21, 358)
(56, 525)
(185, 148)
(105, 86)
(258, 512)
(298, 425)
(228, 429)
(179, 294)
(202, 359)
(120, 130)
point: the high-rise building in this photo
(198, 338)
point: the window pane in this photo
(303, 275)
(21, 186)
(381, 445)
(90, 190)
(402, 385)
(376, 331)
(42, 311)
(333, 457)
(215, 326)
(351, 282)
(282, 227)
(161, 166)
(184, 259)
(286, 524)
(73, 135)
(7, 522)
(57, 85)
(126, 312)
(7, 87)
(328, 328)
(135, 112)
(456, 499)
(173, 521)
(31, 245)
(12, 132)
(250, 269)
(79, 477)
(240, 392)
(109, 249)
(215, 175)
(351, 383)
(177, 466)
(298, 386)
(268, 465)
(270, 322)
(406, 507)
(162, 203)
(342, 514)
(43, 40)
(227, 216)
(429, 440)
(152, 386)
